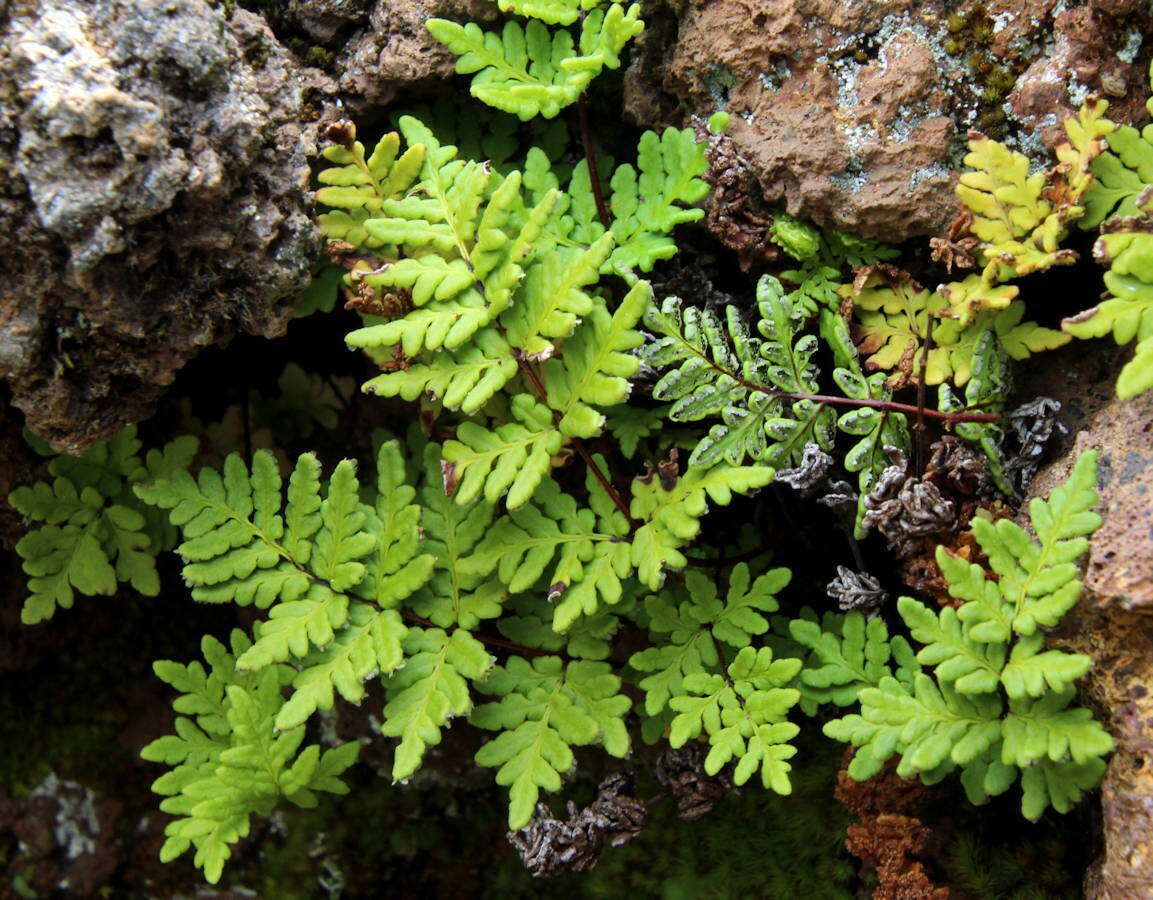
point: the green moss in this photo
(992, 77)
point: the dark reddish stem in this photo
(618, 501)
(892, 406)
(949, 418)
(591, 158)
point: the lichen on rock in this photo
(854, 114)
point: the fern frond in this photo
(894, 318)
(596, 365)
(431, 689)
(236, 546)
(545, 708)
(670, 509)
(971, 667)
(1127, 314)
(649, 201)
(466, 238)
(451, 533)
(692, 620)
(590, 547)
(1038, 580)
(228, 760)
(97, 534)
(932, 726)
(987, 389)
(997, 704)
(743, 715)
(1019, 227)
(554, 12)
(332, 569)
(554, 298)
(726, 371)
(876, 431)
(848, 653)
(370, 643)
(464, 379)
(357, 182)
(528, 71)
(60, 560)
(630, 425)
(511, 458)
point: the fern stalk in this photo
(590, 152)
(949, 418)
(578, 445)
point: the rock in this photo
(153, 200)
(854, 113)
(323, 20)
(1113, 623)
(396, 51)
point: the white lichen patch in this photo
(772, 80)
(1134, 37)
(1078, 91)
(849, 181)
(937, 172)
(76, 827)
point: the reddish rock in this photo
(1113, 623)
(854, 113)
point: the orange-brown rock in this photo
(1113, 623)
(854, 112)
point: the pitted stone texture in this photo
(396, 51)
(1113, 622)
(153, 185)
(854, 113)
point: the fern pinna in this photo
(997, 704)
(1118, 202)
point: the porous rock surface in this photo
(1113, 622)
(395, 50)
(153, 182)
(854, 113)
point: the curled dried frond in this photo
(549, 846)
(682, 773)
(856, 590)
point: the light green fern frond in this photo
(331, 569)
(845, 654)
(688, 624)
(590, 547)
(96, 533)
(529, 71)
(228, 761)
(1127, 313)
(554, 12)
(997, 703)
(743, 713)
(509, 459)
(669, 508)
(451, 533)
(431, 689)
(546, 707)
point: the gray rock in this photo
(396, 50)
(153, 200)
(325, 19)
